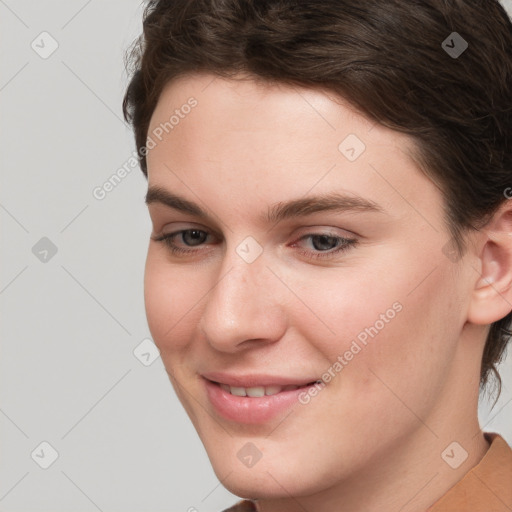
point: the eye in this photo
(195, 236)
(323, 242)
(324, 245)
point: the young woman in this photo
(329, 276)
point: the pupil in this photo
(323, 239)
(196, 235)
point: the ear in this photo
(492, 295)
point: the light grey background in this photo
(70, 324)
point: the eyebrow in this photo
(300, 207)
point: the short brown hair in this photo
(387, 58)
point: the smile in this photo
(259, 391)
(254, 404)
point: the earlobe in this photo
(492, 295)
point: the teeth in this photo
(257, 391)
(238, 391)
(272, 390)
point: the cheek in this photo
(339, 306)
(410, 357)
(169, 298)
(385, 325)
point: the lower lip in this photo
(251, 410)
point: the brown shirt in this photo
(487, 487)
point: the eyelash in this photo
(346, 243)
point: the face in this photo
(254, 292)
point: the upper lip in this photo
(256, 379)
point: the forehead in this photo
(254, 100)
(253, 138)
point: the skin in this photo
(372, 439)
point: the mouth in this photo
(259, 391)
(255, 404)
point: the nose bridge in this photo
(243, 304)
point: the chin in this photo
(265, 480)
(259, 487)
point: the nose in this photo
(245, 305)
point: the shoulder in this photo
(242, 506)
(487, 486)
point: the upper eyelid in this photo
(307, 230)
(298, 220)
